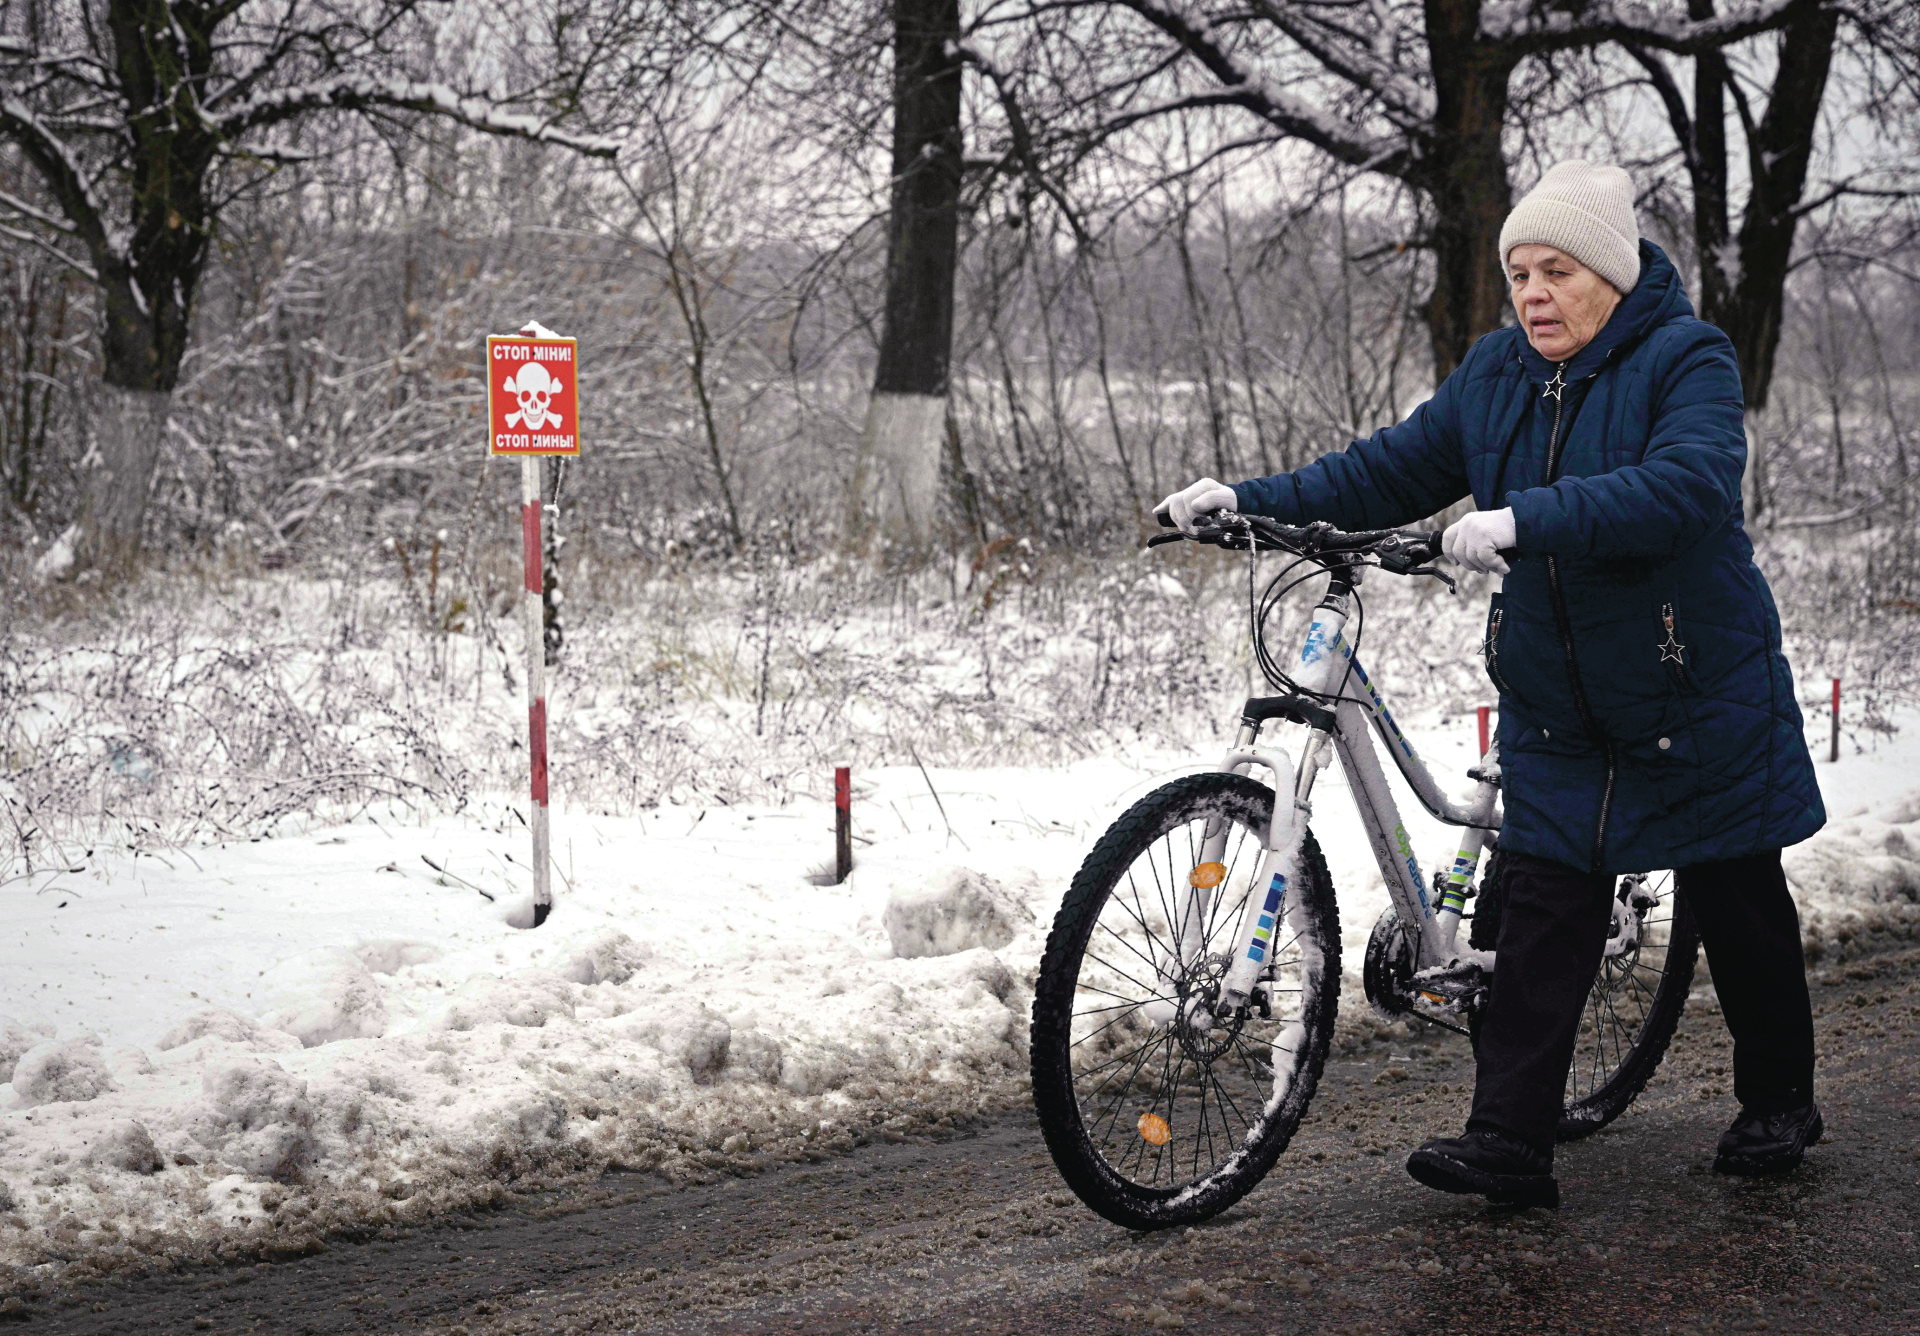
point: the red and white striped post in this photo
(536, 682)
(1484, 712)
(533, 410)
(1833, 745)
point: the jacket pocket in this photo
(1673, 650)
(1490, 645)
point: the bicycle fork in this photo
(1267, 906)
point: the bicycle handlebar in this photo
(1402, 551)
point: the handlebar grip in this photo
(1165, 518)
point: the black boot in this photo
(1487, 1161)
(1768, 1143)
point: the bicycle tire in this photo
(1087, 1009)
(1599, 1087)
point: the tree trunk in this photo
(128, 429)
(1742, 285)
(897, 470)
(143, 340)
(1710, 205)
(1779, 149)
(1464, 176)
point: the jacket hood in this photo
(1658, 298)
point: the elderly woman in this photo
(1647, 714)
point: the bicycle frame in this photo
(1329, 668)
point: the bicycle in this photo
(1186, 997)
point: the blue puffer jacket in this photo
(1647, 714)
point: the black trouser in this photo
(1553, 929)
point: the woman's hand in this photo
(1476, 541)
(1197, 499)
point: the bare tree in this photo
(143, 120)
(1742, 279)
(1417, 93)
(896, 474)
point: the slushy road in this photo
(976, 1234)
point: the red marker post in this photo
(842, 823)
(1484, 712)
(533, 410)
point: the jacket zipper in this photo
(1565, 624)
(1492, 650)
(1672, 653)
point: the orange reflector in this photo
(1435, 998)
(1205, 878)
(1153, 1128)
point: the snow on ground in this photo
(265, 1040)
(1863, 871)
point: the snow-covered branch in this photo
(1240, 85)
(41, 216)
(1404, 99)
(41, 243)
(63, 173)
(1531, 28)
(360, 92)
(274, 154)
(1023, 148)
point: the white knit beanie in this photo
(1586, 211)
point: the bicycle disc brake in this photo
(1630, 905)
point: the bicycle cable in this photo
(1262, 608)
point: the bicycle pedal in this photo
(1452, 982)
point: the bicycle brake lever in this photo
(1438, 574)
(1162, 538)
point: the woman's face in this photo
(1561, 303)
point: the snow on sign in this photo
(533, 396)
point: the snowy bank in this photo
(240, 1049)
(252, 1045)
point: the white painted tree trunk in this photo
(116, 474)
(896, 479)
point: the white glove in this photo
(1475, 542)
(1197, 499)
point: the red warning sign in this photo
(533, 396)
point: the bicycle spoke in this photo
(1144, 1052)
(1108, 964)
(1227, 1100)
(1090, 1072)
(1089, 1038)
(1145, 927)
(1129, 1001)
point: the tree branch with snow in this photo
(358, 92)
(1531, 29)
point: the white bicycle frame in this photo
(1328, 668)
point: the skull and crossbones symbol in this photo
(534, 387)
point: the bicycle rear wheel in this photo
(1635, 1004)
(1155, 1113)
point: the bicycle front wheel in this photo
(1156, 1112)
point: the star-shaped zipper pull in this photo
(1671, 651)
(1552, 389)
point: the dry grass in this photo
(213, 701)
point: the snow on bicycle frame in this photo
(1320, 693)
